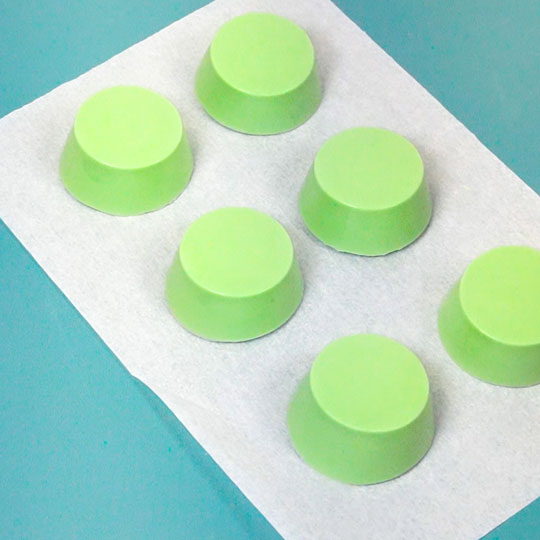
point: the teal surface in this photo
(86, 450)
(43, 44)
(80, 447)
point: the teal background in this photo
(85, 450)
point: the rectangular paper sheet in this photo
(483, 465)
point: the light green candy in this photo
(235, 276)
(127, 152)
(365, 193)
(490, 321)
(363, 415)
(259, 75)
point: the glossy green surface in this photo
(262, 54)
(369, 383)
(490, 321)
(235, 276)
(128, 127)
(369, 168)
(500, 293)
(364, 413)
(127, 153)
(366, 193)
(236, 252)
(259, 75)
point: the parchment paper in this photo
(484, 463)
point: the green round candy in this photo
(259, 75)
(364, 413)
(235, 276)
(127, 153)
(366, 192)
(490, 321)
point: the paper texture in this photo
(483, 465)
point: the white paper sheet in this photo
(483, 465)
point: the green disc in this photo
(262, 54)
(259, 75)
(364, 413)
(490, 321)
(235, 276)
(128, 127)
(366, 193)
(369, 383)
(500, 293)
(369, 169)
(236, 252)
(127, 152)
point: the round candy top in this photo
(236, 252)
(128, 127)
(369, 168)
(262, 54)
(369, 383)
(500, 294)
